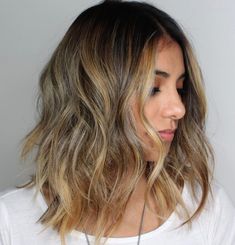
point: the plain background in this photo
(30, 31)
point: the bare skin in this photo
(132, 216)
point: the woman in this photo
(121, 151)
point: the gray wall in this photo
(30, 30)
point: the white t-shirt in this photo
(215, 226)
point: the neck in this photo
(139, 191)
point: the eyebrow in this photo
(166, 75)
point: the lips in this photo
(167, 131)
(168, 134)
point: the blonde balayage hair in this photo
(89, 156)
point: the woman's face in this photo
(164, 107)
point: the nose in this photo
(174, 108)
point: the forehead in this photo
(169, 57)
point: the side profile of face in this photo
(164, 107)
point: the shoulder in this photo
(215, 224)
(18, 204)
(21, 202)
(20, 211)
(18, 199)
(219, 203)
(11, 194)
(217, 198)
(218, 216)
(14, 208)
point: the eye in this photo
(181, 91)
(154, 90)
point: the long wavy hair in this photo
(88, 154)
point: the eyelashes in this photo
(155, 90)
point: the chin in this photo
(151, 157)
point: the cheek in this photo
(152, 113)
(143, 134)
(148, 140)
(140, 129)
